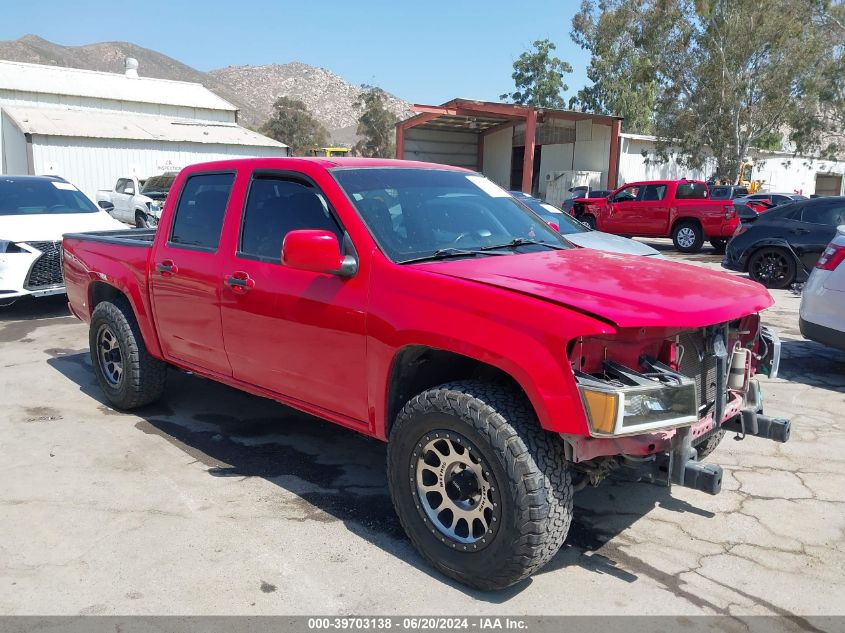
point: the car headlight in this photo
(10, 247)
(625, 402)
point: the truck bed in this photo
(123, 237)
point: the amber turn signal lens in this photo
(602, 410)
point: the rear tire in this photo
(773, 267)
(719, 245)
(129, 376)
(688, 237)
(514, 486)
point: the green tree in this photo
(716, 77)
(376, 125)
(292, 124)
(538, 77)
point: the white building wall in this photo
(12, 147)
(590, 152)
(635, 167)
(498, 151)
(43, 100)
(93, 164)
(556, 157)
(794, 174)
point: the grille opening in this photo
(46, 272)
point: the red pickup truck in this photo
(422, 305)
(680, 209)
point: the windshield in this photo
(565, 222)
(158, 184)
(37, 196)
(417, 213)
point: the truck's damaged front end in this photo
(657, 398)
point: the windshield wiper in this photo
(522, 241)
(445, 253)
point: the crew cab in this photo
(135, 201)
(680, 209)
(422, 305)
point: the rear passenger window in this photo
(691, 191)
(200, 212)
(830, 213)
(276, 206)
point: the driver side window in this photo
(628, 194)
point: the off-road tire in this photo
(590, 221)
(144, 376)
(719, 245)
(527, 463)
(680, 230)
(709, 445)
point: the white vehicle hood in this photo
(611, 243)
(51, 226)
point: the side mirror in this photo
(317, 251)
(105, 205)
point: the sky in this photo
(423, 52)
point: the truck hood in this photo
(626, 290)
(51, 226)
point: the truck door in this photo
(185, 280)
(297, 333)
(654, 210)
(622, 214)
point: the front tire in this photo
(483, 492)
(590, 221)
(141, 220)
(688, 237)
(129, 376)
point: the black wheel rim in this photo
(771, 267)
(456, 492)
(109, 356)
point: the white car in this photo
(35, 211)
(822, 315)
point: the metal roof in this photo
(88, 124)
(76, 82)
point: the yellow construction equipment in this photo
(329, 151)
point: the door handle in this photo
(240, 282)
(801, 231)
(167, 268)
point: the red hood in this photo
(627, 290)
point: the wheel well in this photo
(687, 220)
(417, 368)
(100, 291)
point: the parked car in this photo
(771, 198)
(422, 305)
(135, 201)
(582, 235)
(783, 244)
(727, 192)
(680, 209)
(34, 213)
(580, 196)
(822, 314)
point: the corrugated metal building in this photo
(94, 127)
(533, 149)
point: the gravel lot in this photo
(215, 502)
